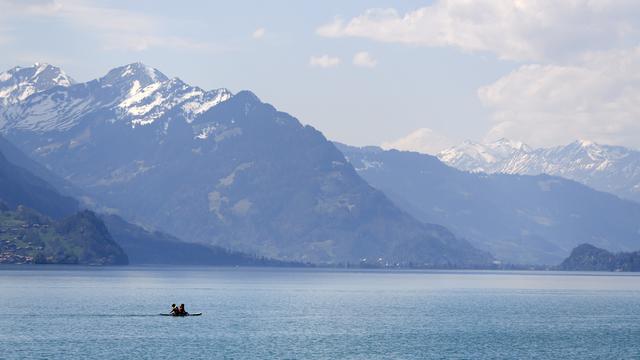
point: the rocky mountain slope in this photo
(518, 218)
(27, 236)
(613, 169)
(221, 169)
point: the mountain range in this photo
(520, 219)
(234, 176)
(213, 167)
(613, 169)
(39, 225)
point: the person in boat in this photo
(182, 311)
(175, 311)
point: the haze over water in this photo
(316, 314)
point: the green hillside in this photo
(27, 236)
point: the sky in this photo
(412, 75)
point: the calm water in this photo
(316, 314)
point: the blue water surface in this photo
(51, 312)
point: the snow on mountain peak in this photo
(136, 68)
(150, 94)
(19, 83)
(137, 94)
(507, 143)
(144, 105)
(587, 144)
(477, 157)
(608, 168)
(126, 76)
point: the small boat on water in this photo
(188, 314)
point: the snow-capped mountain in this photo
(139, 95)
(471, 156)
(613, 169)
(217, 168)
(19, 83)
(518, 218)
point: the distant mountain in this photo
(15, 156)
(142, 246)
(20, 187)
(489, 158)
(133, 95)
(153, 247)
(520, 219)
(221, 169)
(19, 83)
(26, 236)
(587, 257)
(613, 169)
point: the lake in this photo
(257, 313)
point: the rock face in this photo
(587, 257)
(29, 237)
(222, 169)
(520, 219)
(613, 169)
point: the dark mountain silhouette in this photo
(587, 257)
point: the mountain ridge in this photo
(78, 236)
(234, 172)
(521, 219)
(614, 169)
(19, 83)
(137, 95)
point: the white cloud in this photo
(259, 33)
(324, 61)
(598, 99)
(364, 59)
(119, 29)
(422, 140)
(512, 29)
(584, 83)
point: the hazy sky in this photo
(418, 75)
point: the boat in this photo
(189, 314)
